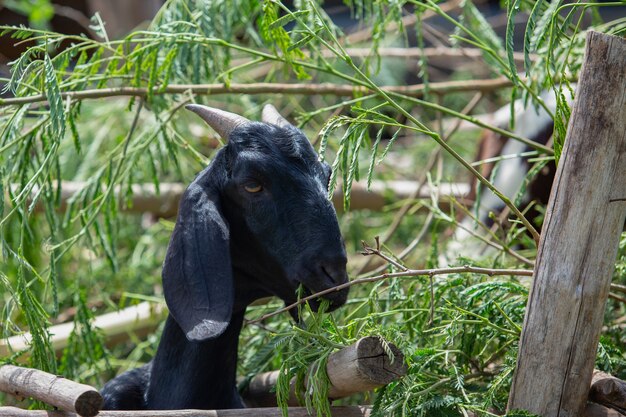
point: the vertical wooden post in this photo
(579, 242)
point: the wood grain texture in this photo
(350, 411)
(51, 389)
(363, 367)
(579, 242)
(360, 367)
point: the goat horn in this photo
(221, 121)
(270, 115)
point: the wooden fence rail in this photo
(51, 389)
(349, 368)
(369, 363)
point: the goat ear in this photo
(270, 115)
(197, 272)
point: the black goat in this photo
(256, 222)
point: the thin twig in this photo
(409, 273)
(485, 239)
(368, 251)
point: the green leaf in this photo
(488, 41)
(353, 169)
(282, 21)
(528, 33)
(308, 37)
(97, 25)
(53, 94)
(370, 171)
(71, 118)
(541, 30)
(512, 10)
(152, 65)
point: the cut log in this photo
(608, 390)
(51, 389)
(351, 411)
(360, 367)
(578, 244)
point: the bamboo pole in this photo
(578, 244)
(51, 389)
(360, 367)
(140, 319)
(145, 198)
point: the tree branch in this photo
(414, 90)
(409, 273)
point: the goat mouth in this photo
(335, 298)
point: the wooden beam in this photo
(360, 367)
(51, 389)
(348, 411)
(579, 242)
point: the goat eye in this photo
(253, 187)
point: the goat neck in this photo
(210, 364)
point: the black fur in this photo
(229, 248)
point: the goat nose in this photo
(334, 270)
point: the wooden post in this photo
(579, 242)
(360, 367)
(51, 389)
